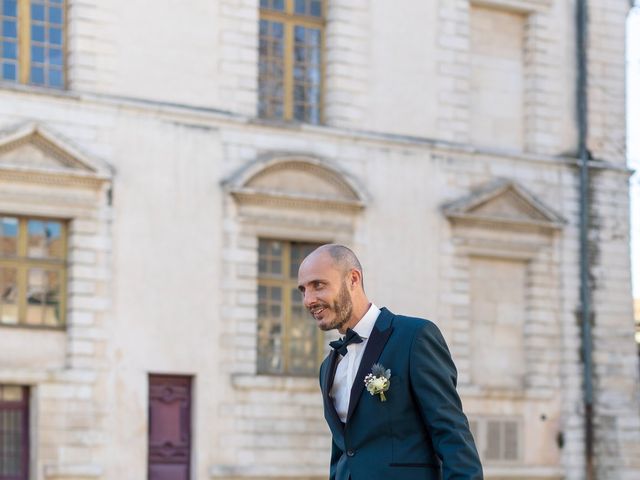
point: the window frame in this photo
(24, 43)
(287, 284)
(289, 20)
(22, 263)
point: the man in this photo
(407, 422)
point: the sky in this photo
(633, 137)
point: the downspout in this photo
(585, 287)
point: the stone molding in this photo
(245, 185)
(67, 164)
(476, 209)
(526, 6)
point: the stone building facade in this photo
(444, 153)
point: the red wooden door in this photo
(169, 427)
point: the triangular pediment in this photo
(295, 181)
(32, 148)
(503, 203)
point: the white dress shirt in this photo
(349, 364)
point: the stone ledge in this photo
(272, 382)
(235, 472)
(72, 472)
(485, 393)
(523, 472)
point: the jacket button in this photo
(350, 453)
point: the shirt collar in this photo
(366, 323)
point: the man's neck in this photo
(356, 316)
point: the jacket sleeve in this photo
(336, 453)
(433, 379)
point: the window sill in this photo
(272, 382)
(55, 328)
(34, 89)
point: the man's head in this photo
(330, 280)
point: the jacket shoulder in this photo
(414, 323)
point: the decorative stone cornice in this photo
(51, 177)
(525, 6)
(503, 204)
(33, 153)
(295, 181)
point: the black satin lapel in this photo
(330, 410)
(372, 352)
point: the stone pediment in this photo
(32, 151)
(295, 181)
(503, 204)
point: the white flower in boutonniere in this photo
(377, 382)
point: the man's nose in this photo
(308, 298)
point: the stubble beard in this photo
(342, 307)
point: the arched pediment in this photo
(33, 152)
(295, 181)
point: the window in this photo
(14, 432)
(32, 271)
(32, 50)
(498, 439)
(289, 342)
(290, 66)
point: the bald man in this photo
(389, 385)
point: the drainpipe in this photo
(585, 287)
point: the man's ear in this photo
(354, 278)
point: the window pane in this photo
(37, 33)
(37, 75)
(43, 300)
(9, 71)
(37, 54)
(271, 69)
(298, 252)
(9, 29)
(307, 64)
(55, 56)
(316, 8)
(303, 338)
(9, 8)
(493, 440)
(44, 239)
(55, 78)
(55, 36)
(301, 7)
(10, 50)
(510, 441)
(8, 236)
(270, 329)
(37, 12)
(55, 15)
(8, 295)
(36, 295)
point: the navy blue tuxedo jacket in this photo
(420, 432)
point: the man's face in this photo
(325, 293)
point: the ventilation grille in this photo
(499, 440)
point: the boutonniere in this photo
(377, 382)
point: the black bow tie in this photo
(341, 345)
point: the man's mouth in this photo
(317, 311)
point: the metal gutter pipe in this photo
(585, 287)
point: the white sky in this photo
(633, 137)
